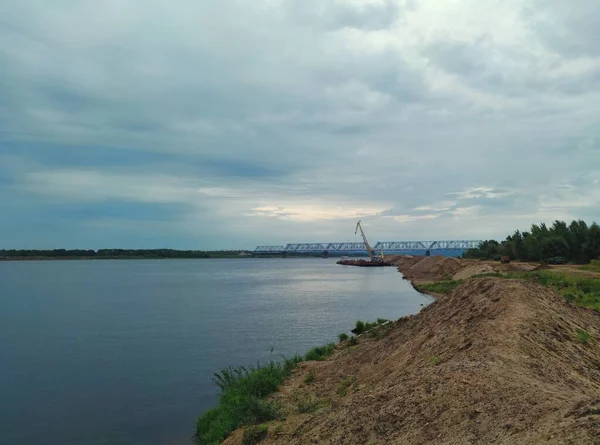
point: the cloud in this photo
(281, 120)
(312, 212)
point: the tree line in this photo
(576, 242)
(105, 253)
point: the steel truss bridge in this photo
(387, 246)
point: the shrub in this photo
(343, 337)
(254, 434)
(308, 404)
(242, 400)
(583, 336)
(441, 287)
(345, 384)
(435, 360)
(310, 377)
(360, 327)
(353, 341)
(320, 353)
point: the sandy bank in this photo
(495, 361)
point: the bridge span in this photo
(387, 246)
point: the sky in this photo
(228, 124)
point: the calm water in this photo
(122, 352)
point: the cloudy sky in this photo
(232, 123)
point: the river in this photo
(113, 352)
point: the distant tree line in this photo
(106, 253)
(576, 242)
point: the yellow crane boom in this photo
(372, 255)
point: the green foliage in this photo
(359, 328)
(310, 377)
(435, 360)
(353, 341)
(308, 404)
(343, 337)
(580, 290)
(345, 384)
(278, 431)
(242, 400)
(440, 287)
(362, 327)
(254, 434)
(594, 266)
(320, 353)
(576, 242)
(583, 336)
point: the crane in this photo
(372, 255)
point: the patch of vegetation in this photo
(242, 400)
(254, 434)
(359, 328)
(343, 337)
(320, 353)
(345, 384)
(353, 341)
(380, 332)
(579, 290)
(310, 377)
(308, 404)
(362, 326)
(434, 360)
(278, 431)
(583, 336)
(489, 274)
(594, 266)
(440, 287)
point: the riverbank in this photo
(493, 360)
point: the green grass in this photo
(310, 377)
(320, 353)
(594, 266)
(343, 337)
(309, 404)
(254, 434)
(435, 360)
(353, 341)
(440, 287)
(583, 336)
(345, 384)
(242, 400)
(244, 392)
(362, 326)
(580, 290)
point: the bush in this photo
(345, 384)
(254, 434)
(242, 401)
(583, 336)
(360, 327)
(310, 377)
(343, 337)
(441, 287)
(308, 404)
(353, 341)
(320, 353)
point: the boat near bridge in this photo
(363, 263)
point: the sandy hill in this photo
(494, 362)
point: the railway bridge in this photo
(354, 248)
